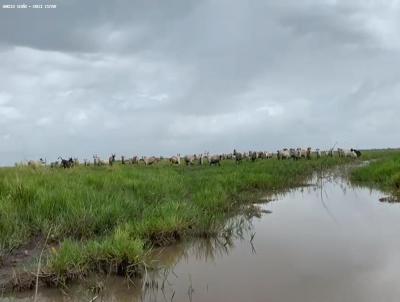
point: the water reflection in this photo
(328, 241)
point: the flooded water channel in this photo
(325, 243)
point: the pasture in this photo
(382, 173)
(107, 218)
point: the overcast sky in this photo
(160, 77)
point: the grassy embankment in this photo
(382, 173)
(106, 218)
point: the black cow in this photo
(66, 163)
(358, 152)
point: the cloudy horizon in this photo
(166, 77)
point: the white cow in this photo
(283, 154)
(175, 159)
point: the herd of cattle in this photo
(203, 158)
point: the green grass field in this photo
(383, 172)
(109, 217)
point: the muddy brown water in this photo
(320, 243)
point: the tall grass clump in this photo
(115, 253)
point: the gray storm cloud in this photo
(162, 77)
